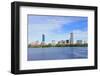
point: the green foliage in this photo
(58, 45)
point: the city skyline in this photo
(69, 41)
(56, 27)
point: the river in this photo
(57, 53)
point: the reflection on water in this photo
(57, 53)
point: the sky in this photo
(57, 28)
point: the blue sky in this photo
(56, 27)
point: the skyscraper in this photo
(43, 40)
(71, 38)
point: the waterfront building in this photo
(58, 42)
(53, 42)
(84, 42)
(79, 41)
(35, 43)
(67, 41)
(62, 42)
(43, 40)
(71, 38)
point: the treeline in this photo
(59, 45)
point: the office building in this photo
(67, 41)
(43, 40)
(53, 42)
(71, 38)
(79, 41)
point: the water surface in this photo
(57, 53)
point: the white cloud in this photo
(80, 35)
(47, 27)
(50, 24)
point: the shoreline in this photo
(46, 46)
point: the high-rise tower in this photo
(43, 40)
(71, 38)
